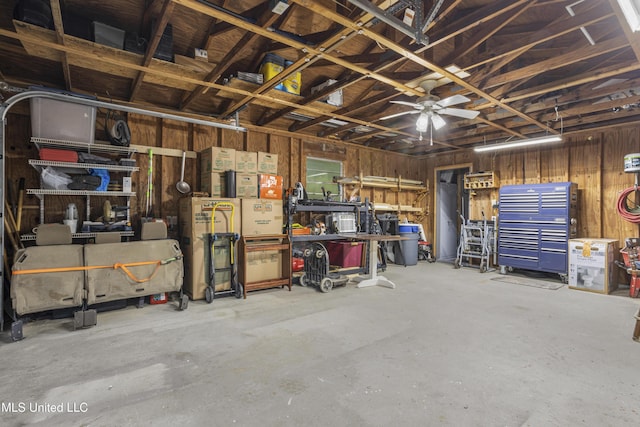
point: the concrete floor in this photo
(446, 347)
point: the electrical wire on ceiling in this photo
(559, 118)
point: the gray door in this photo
(447, 218)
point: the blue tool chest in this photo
(535, 223)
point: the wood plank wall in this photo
(593, 160)
(163, 133)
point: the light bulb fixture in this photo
(518, 144)
(631, 11)
(422, 123)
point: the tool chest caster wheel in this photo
(208, 294)
(326, 284)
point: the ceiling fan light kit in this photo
(431, 108)
(519, 144)
(631, 11)
(422, 123)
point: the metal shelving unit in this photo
(88, 148)
(116, 168)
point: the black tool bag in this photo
(85, 182)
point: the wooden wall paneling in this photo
(510, 165)
(256, 141)
(295, 161)
(350, 167)
(585, 160)
(366, 169)
(232, 139)
(18, 150)
(143, 132)
(479, 203)
(205, 137)
(614, 180)
(554, 164)
(174, 134)
(281, 145)
(484, 162)
(531, 166)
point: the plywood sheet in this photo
(554, 164)
(174, 135)
(144, 130)
(585, 171)
(615, 146)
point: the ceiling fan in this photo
(430, 107)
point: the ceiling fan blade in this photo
(410, 104)
(459, 112)
(453, 100)
(399, 114)
(438, 121)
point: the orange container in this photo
(301, 231)
(270, 186)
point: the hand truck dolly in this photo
(316, 269)
(224, 242)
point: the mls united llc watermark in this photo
(47, 408)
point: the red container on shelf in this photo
(345, 254)
(57, 155)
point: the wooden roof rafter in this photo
(59, 29)
(417, 59)
(156, 36)
(225, 62)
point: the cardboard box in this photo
(217, 159)
(267, 163)
(270, 186)
(261, 216)
(591, 265)
(246, 162)
(246, 185)
(194, 217)
(263, 265)
(213, 183)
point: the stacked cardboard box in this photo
(214, 162)
(262, 217)
(258, 211)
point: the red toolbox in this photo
(57, 155)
